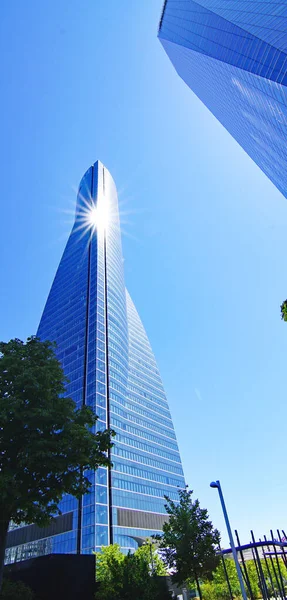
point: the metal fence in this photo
(269, 557)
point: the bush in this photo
(16, 590)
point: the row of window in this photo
(138, 343)
(143, 423)
(115, 329)
(145, 459)
(135, 386)
(153, 450)
(131, 469)
(136, 408)
(143, 433)
(115, 375)
(117, 367)
(143, 372)
(119, 388)
(118, 305)
(150, 404)
(117, 354)
(149, 380)
(124, 499)
(151, 366)
(96, 493)
(140, 488)
(116, 318)
(101, 538)
(99, 517)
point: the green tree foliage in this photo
(149, 555)
(271, 575)
(283, 308)
(46, 445)
(189, 540)
(126, 577)
(217, 589)
(15, 591)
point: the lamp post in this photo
(146, 542)
(150, 544)
(216, 484)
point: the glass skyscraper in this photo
(108, 360)
(233, 55)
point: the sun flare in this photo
(92, 216)
(98, 216)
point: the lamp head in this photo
(214, 484)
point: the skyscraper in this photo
(108, 360)
(233, 55)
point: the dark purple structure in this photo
(57, 576)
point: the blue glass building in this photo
(108, 360)
(233, 55)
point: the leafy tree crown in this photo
(126, 577)
(283, 309)
(47, 445)
(189, 541)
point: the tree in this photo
(125, 577)
(283, 308)
(109, 571)
(217, 589)
(150, 556)
(16, 590)
(46, 444)
(189, 540)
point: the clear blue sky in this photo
(205, 250)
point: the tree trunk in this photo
(198, 586)
(4, 524)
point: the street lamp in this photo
(150, 544)
(146, 542)
(216, 484)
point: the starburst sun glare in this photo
(98, 216)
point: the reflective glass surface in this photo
(108, 360)
(233, 55)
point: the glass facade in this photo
(108, 360)
(233, 55)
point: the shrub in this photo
(16, 590)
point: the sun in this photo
(98, 216)
(92, 216)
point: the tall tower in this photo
(106, 355)
(233, 55)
